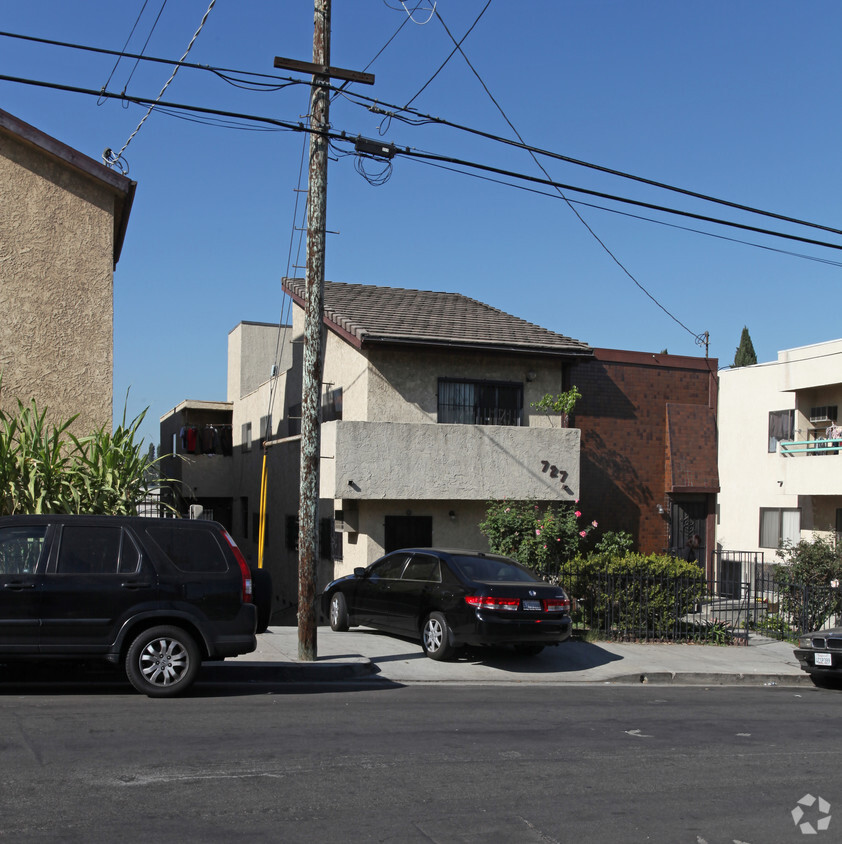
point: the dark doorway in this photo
(408, 532)
(688, 516)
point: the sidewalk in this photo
(362, 653)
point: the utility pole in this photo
(314, 282)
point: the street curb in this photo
(682, 678)
(323, 671)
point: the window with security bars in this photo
(479, 402)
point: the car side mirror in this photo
(359, 571)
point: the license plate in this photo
(824, 659)
(532, 605)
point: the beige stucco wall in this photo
(56, 266)
(750, 476)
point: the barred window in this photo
(479, 402)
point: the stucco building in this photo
(427, 414)
(63, 218)
(780, 451)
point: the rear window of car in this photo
(490, 569)
(189, 549)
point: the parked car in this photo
(157, 596)
(451, 599)
(820, 654)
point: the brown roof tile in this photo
(368, 314)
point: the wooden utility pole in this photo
(314, 281)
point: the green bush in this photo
(637, 595)
(539, 538)
(807, 599)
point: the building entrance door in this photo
(688, 515)
(408, 532)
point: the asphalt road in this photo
(383, 762)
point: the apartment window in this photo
(779, 526)
(294, 420)
(781, 427)
(479, 402)
(265, 428)
(326, 537)
(332, 405)
(246, 436)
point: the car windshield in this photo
(489, 568)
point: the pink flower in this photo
(558, 540)
(578, 513)
(537, 532)
(595, 523)
(508, 508)
(545, 547)
(582, 533)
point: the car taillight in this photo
(556, 605)
(245, 571)
(489, 603)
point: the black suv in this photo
(156, 595)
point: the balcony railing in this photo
(813, 447)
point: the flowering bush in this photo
(541, 537)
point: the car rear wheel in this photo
(163, 661)
(338, 613)
(435, 637)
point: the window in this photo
(294, 420)
(190, 549)
(479, 402)
(265, 428)
(246, 438)
(422, 567)
(326, 537)
(21, 548)
(87, 549)
(781, 427)
(332, 405)
(779, 526)
(390, 568)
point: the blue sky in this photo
(734, 100)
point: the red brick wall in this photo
(622, 417)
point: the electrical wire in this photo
(112, 158)
(145, 44)
(131, 33)
(343, 137)
(457, 47)
(418, 119)
(698, 337)
(555, 195)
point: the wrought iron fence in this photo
(640, 607)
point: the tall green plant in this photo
(46, 469)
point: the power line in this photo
(392, 111)
(343, 137)
(111, 158)
(555, 195)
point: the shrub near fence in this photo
(636, 596)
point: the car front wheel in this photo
(435, 637)
(163, 661)
(338, 613)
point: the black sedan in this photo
(820, 655)
(451, 599)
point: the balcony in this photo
(428, 461)
(820, 475)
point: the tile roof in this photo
(366, 314)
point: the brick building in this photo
(648, 448)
